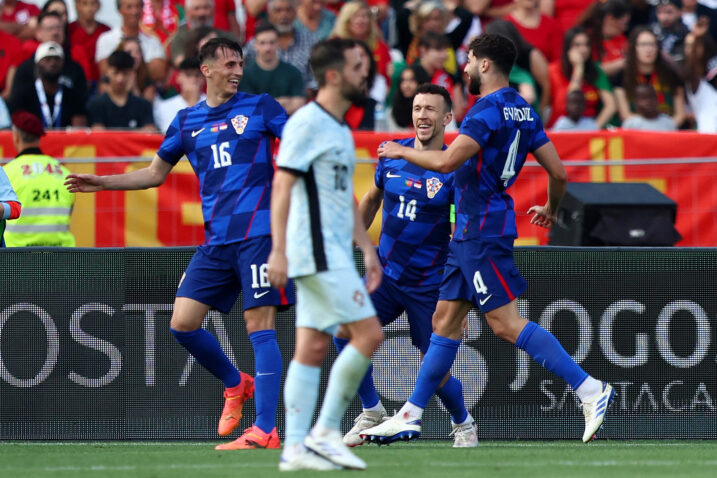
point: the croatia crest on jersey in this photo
(433, 185)
(239, 122)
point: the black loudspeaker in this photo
(615, 214)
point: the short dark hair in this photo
(265, 27)
(433, 40)
(329, 55)
(120, 60)
(431, 89)
(497, 48)
(189, 64)
(44, 15)
(210, 48)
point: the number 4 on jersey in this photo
(509, 168)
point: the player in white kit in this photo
(314, 224)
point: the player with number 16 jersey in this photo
(228, 140)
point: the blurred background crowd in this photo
(584, 65)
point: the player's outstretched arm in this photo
(370, 258)
(446, 161)
(277, 265)
(547, 156)
(369, 204)
(149, 177)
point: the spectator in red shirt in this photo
(356, 22)
(577, 71)
(538, 29)
(606, 22)
(84, 32)
(9, 60)
(19, 18)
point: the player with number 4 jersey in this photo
(495, 138)
(228, 139)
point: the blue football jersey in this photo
(416, 226)
(507, 129)
(230, 149)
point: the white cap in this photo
(47, 49)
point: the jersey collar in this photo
(33, 150)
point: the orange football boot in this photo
(235, 398)
(253, 437)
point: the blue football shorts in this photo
(482, 272)
(391, 299)
(216, 275)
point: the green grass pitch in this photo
(423, 458)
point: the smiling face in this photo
(430, 116)
(223, 73)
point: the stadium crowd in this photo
(638, 64)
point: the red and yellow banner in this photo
(171, 215)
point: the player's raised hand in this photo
(277, 269)
(374, 273)
(542, 216)
(389, 149)
(83, 183)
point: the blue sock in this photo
(205, 348)
(436, 363)
(301, 391)
(366, 391)
(545, 349)
(267, 380)
(451, 394)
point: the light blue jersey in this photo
(321, 220)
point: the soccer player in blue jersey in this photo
(412, 248)
(228, 140)
(495, 138)
(314, 223)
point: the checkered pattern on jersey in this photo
(416, 225)
(230, 149)
(507, 129)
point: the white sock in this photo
(469, 419)
(301, 390)
(346, 375)
(376, 408)
(414, 411)
(588, 389)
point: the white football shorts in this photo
(330, 298)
